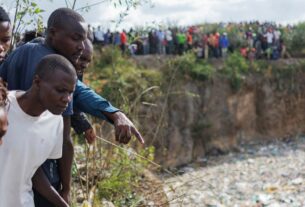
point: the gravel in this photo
(269, 174)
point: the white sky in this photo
(184, 12)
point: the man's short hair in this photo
(4, 17)
(60, 17)
(50, 63)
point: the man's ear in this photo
(52, 32)
(36, 81)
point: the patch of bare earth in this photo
(151, 188)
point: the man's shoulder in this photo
(29, 48)
(36, 47)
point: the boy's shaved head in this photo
(50, 63)
(54, 83)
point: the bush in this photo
(235, 67)
(121, 81)
(106, 57)
(123, 177)
(297, 43)
(197, 69)
(202, 71)
(185, 62)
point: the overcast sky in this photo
(185, 12)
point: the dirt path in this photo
(270, 175)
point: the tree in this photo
(23, 9)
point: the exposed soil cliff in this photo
(203, 117)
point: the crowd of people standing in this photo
(251, 39)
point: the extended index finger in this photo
(137, 134)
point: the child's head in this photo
(54, 83)
(3, 115)
(5, 33)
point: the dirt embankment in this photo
(208, 117)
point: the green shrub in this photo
(123, 177)
(236, 67)
(106, 57)
(120, 80)
(197, 69)
(202, 71)
(297, 42)
(185, 62)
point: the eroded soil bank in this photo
(200, 117)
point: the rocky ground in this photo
(266, 174)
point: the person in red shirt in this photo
(244, 52)
(205, 42)
(123, 37)
(189, 39)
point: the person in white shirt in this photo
(269, 36)
(35, 130)
(277, 36)
(99, 36)
(169, 41)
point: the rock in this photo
(297, 181)
(106, 203)
(242, 186)
(86, 204)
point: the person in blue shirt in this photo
(224, 44)
(66, 33)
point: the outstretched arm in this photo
(124, 128)
(65, 163)
(86, 100)
(42, 185)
